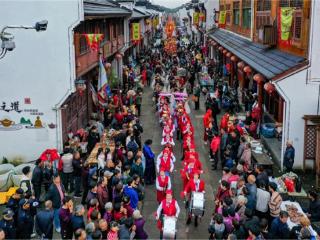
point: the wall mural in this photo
(16, 116)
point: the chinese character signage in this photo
(16, 115)
(196, 18)
(135, 31)
(222, 17)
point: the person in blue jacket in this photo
(288, 159)
(132, 193)
(150, 170)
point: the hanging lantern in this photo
(214, 44)
(220, 49)
(234, 58)
(269, 87)
(229, 54)
(80, 86)
(258, 78)
(241, 65)
(118, 56)
(107, 65)
(247, 70)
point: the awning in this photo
(136, 14)
(269, 62)
(105, 9)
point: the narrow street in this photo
(152, 130)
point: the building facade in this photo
(255, 51)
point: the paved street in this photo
(152, 130)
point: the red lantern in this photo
(80, 86)
(224, 52)
(229, 54)
(234, 59)
(269, 87)
(258, 78)
(240, 65)
(118, 56)
(247, 70)
(220, 49)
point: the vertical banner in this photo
(196, 18)
(222, 17)
(135, 31)
(286, 22)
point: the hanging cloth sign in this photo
(286, 22)
(135, 31)
(202, 17)
(93, 40)
(196, 18)
(222, 17)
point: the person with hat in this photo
(25, 220)
(194, 185)
(168, 208)
(139, 223)
(163, 183)
(165, 162)
(13, 202)
(7, 224)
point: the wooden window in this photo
(83, 44)
(246, 13)
(263, 5)
(228, 14)
(291, 3)
(236, 13)
(297, 25)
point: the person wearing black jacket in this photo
(77, 170)
(7, 224)
(313, 212)
(36, 180)
(25, 220)
(13, 202)
(137, 130)
(44, 221)
(93, 139)
(55, 193)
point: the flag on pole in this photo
(103, 88)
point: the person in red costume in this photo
(163, 183)
(165, 162)
(168, 208)
(214, 151)
(207, 119)
(187, 173)
(187, 129)
(196, 161)
(167, 135)
(224, 121)
(189, 153)
(194, 185)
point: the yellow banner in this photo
(196, 18)
(286, 22)
(222, 17)
(155, 22)
(135, 31)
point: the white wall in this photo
(301, 99)
(40, 68)
(210, 5)
(314, 71)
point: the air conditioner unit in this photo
(267, 35)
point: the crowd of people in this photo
(102, 199)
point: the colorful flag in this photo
(286, 22)
(93, 40)
(135, 31)
(103, 88)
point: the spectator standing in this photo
(44, 221)
(77, 164)
(65, 215)
(67, 170)
(56, 194)
(279, 227)
(77, 220)
(275, 201)
(7, 224)
(36, 180)
(139, 223)
(289, 154)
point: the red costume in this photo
(224, 121)
(192, 187)
(215, 144)
(163, 182)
